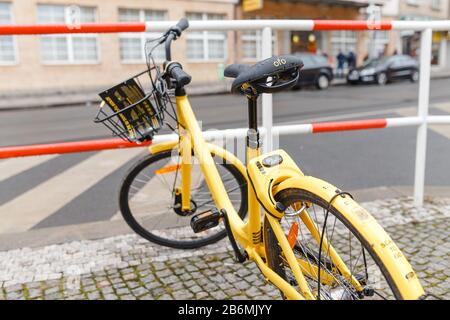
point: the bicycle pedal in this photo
(205, 220)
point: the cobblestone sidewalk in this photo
(128, 267)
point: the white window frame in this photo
(206, 36)
(412, 2)
(382, 38)
(14, 40)
(142, 36)
(343, 40)
(69, 41)
(436, 4)
(256, 36)
(252, 36)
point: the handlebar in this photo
(183, 24)
(175, 71)
(168, 46)
(173, 33)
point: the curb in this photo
(71, 99)
(62, 234)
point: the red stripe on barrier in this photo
(64, 28)
(351, 25)
(348, 125)
(67, 147)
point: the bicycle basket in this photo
(133, 109)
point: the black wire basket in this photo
(134, 109)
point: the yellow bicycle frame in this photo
(248, 233)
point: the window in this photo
(206, 45)
(381, 40)
(436, 4)
(132, 45)
(70, 48)
(320, 60)
(251, 43)
(308, 61)
(412, 2)
(343, 40)
(7, 43)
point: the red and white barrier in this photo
(317, 127)
(67, 28)
(66, 147)
(226, 25)
(266, 26)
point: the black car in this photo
(385, 70)
(315, 72)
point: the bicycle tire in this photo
(143, 232)
(273, 250)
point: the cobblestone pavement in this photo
(128, 267)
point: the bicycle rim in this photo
(340, 235)
(148, 205)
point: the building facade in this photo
(381, 43)
(330, 42)
(76, 62)
(89, 61)
(425, 10)
(408, 42)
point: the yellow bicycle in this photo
(309, 239)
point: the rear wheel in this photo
(350, 245)
(323, 82)
(151, 207)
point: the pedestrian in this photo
(351, 60)
(341, 58)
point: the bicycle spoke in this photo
(338, 241)
(151, 199)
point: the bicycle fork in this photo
(268, 171)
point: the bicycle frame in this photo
(248, 233)
(191, 138)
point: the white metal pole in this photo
(424, 101)
(267, 100)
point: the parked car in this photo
(316, 71)
(385, 70)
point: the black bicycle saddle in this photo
(267, 76)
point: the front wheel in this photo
(340, 236)
(415, 76)
(150, 202)
(382, 79)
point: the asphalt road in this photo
(350, 160)
(221, 111)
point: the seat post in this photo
(253, 112)
(253, 141)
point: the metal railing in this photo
(421, 120)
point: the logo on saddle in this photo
(279, 62)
